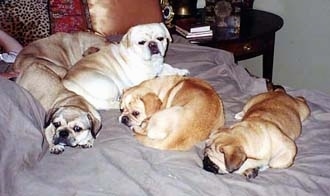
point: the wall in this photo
(302, 47)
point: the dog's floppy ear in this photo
(234, 153)
(151, 102)
(168, 35)
(123, 91)
(96, 124)
(90, 50)
(49, 116)
(234, 157)
(125, 39)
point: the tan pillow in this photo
(112, 17)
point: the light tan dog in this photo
(71, 120)
(58, 52)
(101, 76)
(263, 138)
(171, 112)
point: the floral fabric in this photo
(68, 16)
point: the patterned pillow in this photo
(25, 20)
(68, 16)
(104, 17)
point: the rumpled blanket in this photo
(119, 165)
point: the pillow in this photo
(25, 20)
(109, 17)
(68, 16)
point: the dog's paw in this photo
(239, 115)
(169, 70)
(57, 149)
(263, 168)
(251, 173)
(89, 145)
(138, 130)
(183, 72)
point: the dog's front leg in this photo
(251, 173)
(251, 167)
(56, 149)
(49, 134)
(239, 115)
(89, 144)
(169, 70)
(142, 129)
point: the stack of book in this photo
(190, 29)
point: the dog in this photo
(71, 122)
(70, 119)
(101, 76)
(171, 112)
(265, 136)
(59, 51)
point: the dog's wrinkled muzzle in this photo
(153, 48)
(63, 138)
(208, 165)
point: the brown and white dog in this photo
(71, 120)
(265, 136)
(101, 76)
(171, 112)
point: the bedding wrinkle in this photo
(119, 165)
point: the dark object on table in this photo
(184, 8)
(236, 6)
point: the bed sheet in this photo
(119, 165)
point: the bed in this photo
(119, 165)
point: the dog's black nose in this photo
(153, 48)
(208, 165)
(64, 134)
(125, 120)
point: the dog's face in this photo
(71, 126)
(137, 105)
(149, 41)
(223, 154)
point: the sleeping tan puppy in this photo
(101, 76)
(71, 120)
(263, 138)
(171, 112)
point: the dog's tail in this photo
(271, 87)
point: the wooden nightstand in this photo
(257, 37)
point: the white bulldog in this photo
(101, 76)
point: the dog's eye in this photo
(77, 128)
(141, 42)
(121, 110)
(56, 124)
(160, 38)
(135, 113)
